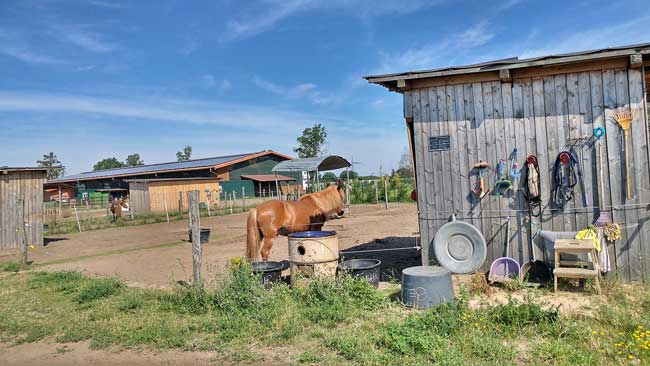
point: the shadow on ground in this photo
(47, 241)
(392, 261)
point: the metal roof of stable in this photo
(268, 177)
(514, 63)
(321, 163)
(25, 168)
(196, 164)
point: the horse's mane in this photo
(327, 200)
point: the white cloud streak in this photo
(308, 91)
(273, 12)
(86, 40)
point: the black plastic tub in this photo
(270, 272)
(205, 236)
(367, 269)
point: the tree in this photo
(108, 163)
(405, 169)
(185, 154)
(353, 175)
(328, 177)
(133, 160)
(311, 142)
(50, 160)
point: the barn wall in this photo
(161, 191)
(139, 197)
(536, 115)
(27, 185)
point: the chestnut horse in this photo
(273, 218)
(116, 208)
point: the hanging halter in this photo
(531, 188)
(565, 177)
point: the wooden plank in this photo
(445, 156)
(614, 157)
(562, 123)
(574, 122)
(479, 115)
(557, 223)
(509, 204)
(472, 151)
(545, 168)
(435, 159)
(463, 155)
(491, 209)
(631, 215)
(519, 202)
(195, 227)
(454, 158)
(639, 148)
(420, 170)
(408, 104)
(501, 209)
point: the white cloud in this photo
(308, 91)
(225, 85)
(271, 12)
(25, 54)
(107, 4)
(623, 33)
(78, 37)
(476, 35)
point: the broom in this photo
(624, 119)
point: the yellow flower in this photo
(602, 333)
(631, 357)
(593, 332)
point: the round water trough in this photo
(460, 247)
(426, 286)
(205, 236)
(314, 252)
(269, 271)
(367, 269)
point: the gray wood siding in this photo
(28, 186)
(537, 115)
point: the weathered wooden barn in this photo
(459, 116)
(21, 194)
(160, 195)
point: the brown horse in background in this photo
(116, 208)
(273, 218)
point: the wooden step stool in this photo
(576, 246)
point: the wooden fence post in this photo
(180, 205)
(195, 225)
(386, 193)
(243, 199)
(231, 203)
(76, 214)
(166, 210)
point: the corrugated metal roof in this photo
(321, 163)
(162, 167)
(513, 62)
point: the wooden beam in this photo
(454, 80)
(505, 76)
(401, 84)
(636, 61)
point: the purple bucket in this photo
(504, 269)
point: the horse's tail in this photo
(252, 236)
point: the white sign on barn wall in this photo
(305, 179)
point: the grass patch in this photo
(13, 267)
(319, 322)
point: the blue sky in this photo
(90, 79)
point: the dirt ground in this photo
(159, 255)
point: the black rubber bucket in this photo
(205, 236)
(367, 269)
(270, 272)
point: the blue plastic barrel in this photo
(426, 286)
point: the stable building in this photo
(507, 110)
(230, 171)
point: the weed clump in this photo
(97, 289)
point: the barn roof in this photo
(268, 177)
(196, 164)
(320, 163)
(389, 80)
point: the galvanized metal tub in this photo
(426, 286)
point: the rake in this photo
(624, 119)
